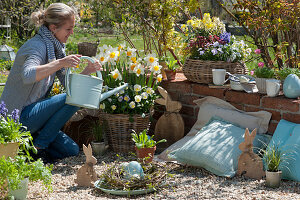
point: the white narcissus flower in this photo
(155, 68)
(103, 48)
(116, 74)
(102, 57)
(113, 107)
(144, 95)
(139, 69)
(102, 106)
(132, 104)
(132, 67)
(151, 59)
(121, 46)
(137, 88)
(138, 98)
(131, 52)
(159, 78)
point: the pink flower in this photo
(252, 72)
(261, 64)
(257, 51)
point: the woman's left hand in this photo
(92, 67)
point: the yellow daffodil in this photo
(159, 78)
(155, 68)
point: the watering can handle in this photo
(68, 71)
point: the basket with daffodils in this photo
(130, 108)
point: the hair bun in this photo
(38, 17)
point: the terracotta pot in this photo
(145, 154)
(9, 149)
(273, 179)
(170, 74)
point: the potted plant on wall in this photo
(145, 146)
(273, 158)
(262, 74)
(98, 145)
(18, 171)
(13, 135)
(172, 67)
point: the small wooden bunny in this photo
(170, 125)
(86, 174)
(249, 164)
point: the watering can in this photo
(85, 90)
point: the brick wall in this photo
(186, 91)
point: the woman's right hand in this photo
(71, 60)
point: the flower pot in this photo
(273, 179)
(20, 193)
(9, 149)
(170, 74)
(261, 84)
(145, 154)
(99, 148)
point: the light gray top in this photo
(21, 88)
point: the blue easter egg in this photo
(134, 169)
(291, 86)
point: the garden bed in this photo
(187, 183)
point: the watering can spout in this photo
(105, 95)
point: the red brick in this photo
(281, 103)
(291, 117)
(242, 97)
(188, 99)
(276, 115)
(174, 95)
(204, 90)
(178, 85)
(187, 110)
(238, 106)
(272, 127)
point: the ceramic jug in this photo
(85, 90)
(291, 86)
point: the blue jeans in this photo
(44, 119)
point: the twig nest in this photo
(133, 170)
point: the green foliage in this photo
(15, 170)
(284, 72)
(273, 157)
(71, 48)
(98, 131)
(172, 65)
(142, 140)
(264, 72)
(6, 64)
(273, 25)
(13, 131)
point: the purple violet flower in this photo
(15, 115)
(225, 37)
(3, 109)
(214, 51)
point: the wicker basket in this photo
(200, 71)
(87, 48)
(119, 129)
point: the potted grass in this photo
(98, 145)
(18, 171)
(145, 146)
(273, 158)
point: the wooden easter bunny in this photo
(250, 164)
(170, 125)
(86, 174)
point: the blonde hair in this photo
(56, 13)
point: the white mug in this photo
(219, 76)
(273, 87)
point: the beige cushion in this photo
(212, 106)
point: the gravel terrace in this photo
(187, 183)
